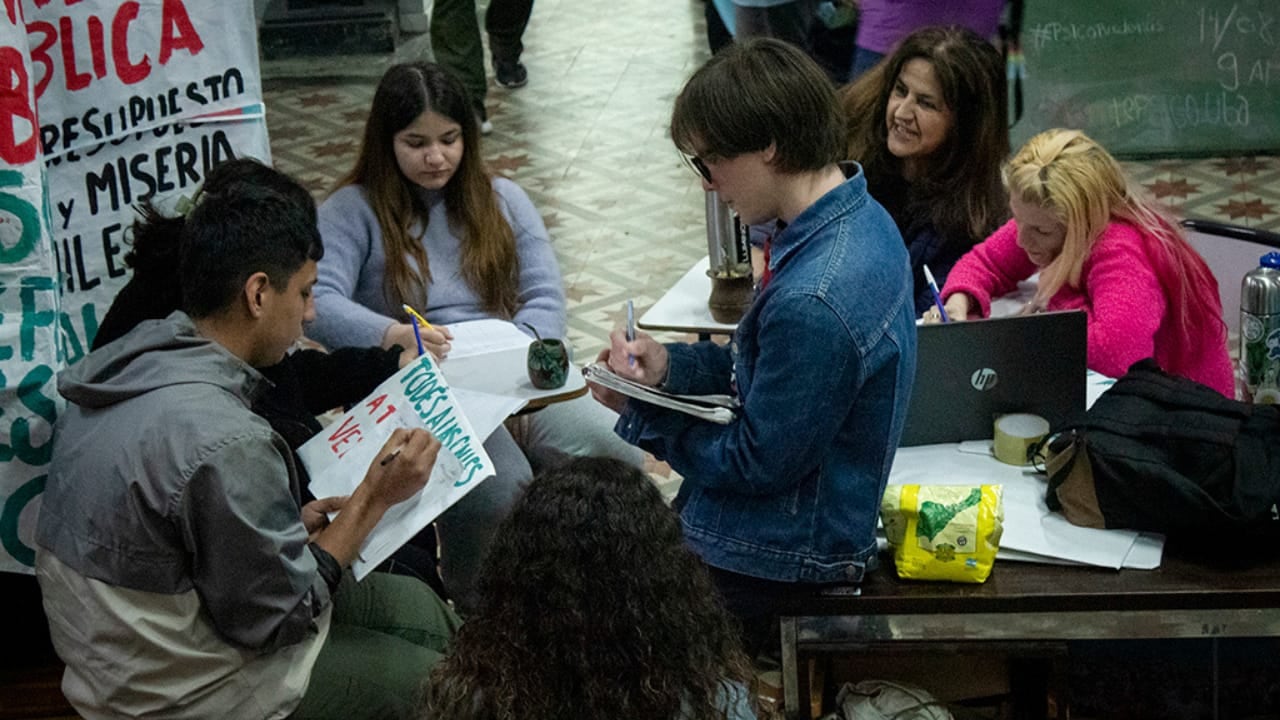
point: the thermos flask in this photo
(1260, 331)
(726, 237)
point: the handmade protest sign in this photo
(108, 69)
(339, 456)
(31, 318)
(104, 104)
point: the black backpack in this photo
(1162, 453)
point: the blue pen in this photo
(631, 329)
(417, 335)
(937, 298)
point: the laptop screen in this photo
(968, 373)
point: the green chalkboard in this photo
(1155, 77)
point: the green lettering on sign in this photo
(13, 508)
(25, 213)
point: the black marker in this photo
(391, 456)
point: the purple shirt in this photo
(882, 23)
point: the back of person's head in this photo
(966, 168)
(153, 250)
(260, 221)
(155, 253)
(590, 606)
(756, 93)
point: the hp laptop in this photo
(967, 373)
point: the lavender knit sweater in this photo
(351, 307)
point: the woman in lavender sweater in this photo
(419, 220)
(1101, 246)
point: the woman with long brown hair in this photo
(929, 127)
(420, 221)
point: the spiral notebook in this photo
(712, 408)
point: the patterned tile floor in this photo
(587, 139)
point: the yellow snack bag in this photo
(943, 532)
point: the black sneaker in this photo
(511, 74)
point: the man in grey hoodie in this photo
(179, 574)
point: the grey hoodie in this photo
(172, 557)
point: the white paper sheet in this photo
(478, 337)
(487, 411)
(340, 455)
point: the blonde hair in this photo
(1069, 174)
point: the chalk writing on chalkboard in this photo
(1180, 77)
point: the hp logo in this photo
(983, 379)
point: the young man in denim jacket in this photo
(783, 501)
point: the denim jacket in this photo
(823, 363)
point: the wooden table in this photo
(683, 308)
(1020, 602)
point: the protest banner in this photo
(416, 397)
(92, 200)
(106, 69)
(98, 101)
(30, 314)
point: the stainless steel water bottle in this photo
(1260, 331)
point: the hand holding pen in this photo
(631, 329)
(645, 362)
(387, 482)
(403, 464)
(643, 359)
(430, 338)
(937, 297)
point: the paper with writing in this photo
(340, 455)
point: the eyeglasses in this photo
(698, 166)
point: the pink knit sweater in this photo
(1120, 292)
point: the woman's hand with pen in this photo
(643, 359)
(957, 307)
(435, 339)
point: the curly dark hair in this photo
(591, 606)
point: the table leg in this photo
(790, 669)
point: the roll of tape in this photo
(1015, 433)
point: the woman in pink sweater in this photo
(1101, 246)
